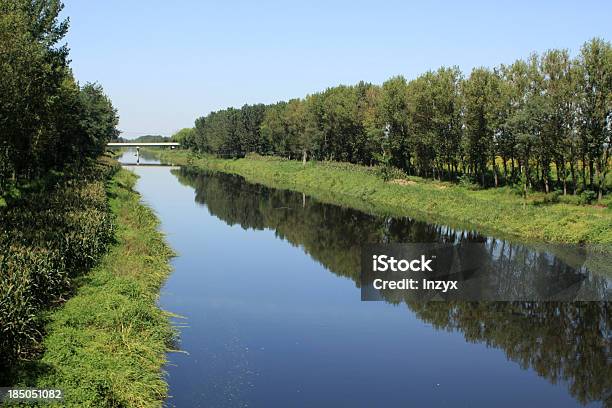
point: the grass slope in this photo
(497, 212)
(106, 345)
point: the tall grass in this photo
(106, 345)
(55, 230)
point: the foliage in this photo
(47, 120)
(545, 121)
(587, 197)
(468, 181)
(185, 137)
(106, 345)
(49, 235)
(151, 139)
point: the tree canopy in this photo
(541, 123)
(47, 120)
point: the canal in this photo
(266, 284)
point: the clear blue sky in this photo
(164, 63)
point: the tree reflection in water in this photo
(567, 341)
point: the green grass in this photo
(106, 345)
(499, 212)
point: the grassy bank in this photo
(500, 212)
(106, 345)
(52, 230)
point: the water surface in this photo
(267, 282)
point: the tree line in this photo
(543, 123)
(47, 119)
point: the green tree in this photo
(482, 96)
(394, 113)
(596, 108)
(435, 111)
(274, 130)
(186, 137)
(32, 69)
(98, 120)
(251, 117)
(560, 87)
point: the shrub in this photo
(587, 197)
(388, 172)
(468, 182)
(570, 199)
(552, 198)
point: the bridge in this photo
(142, 144)
(138, 145)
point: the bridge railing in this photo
(139, 144)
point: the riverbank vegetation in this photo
(540, 124)
(527, 332)
(55, 222)
(72, 315)
(499, 211)
(106, 345)
(55, 231)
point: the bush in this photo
(570, 199)
(388, 172)
(587, 197)
(468, 182)
(552, 198)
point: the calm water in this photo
(267, 283)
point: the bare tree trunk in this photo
(304, 157)
(525, 187)
(573, 173)
(600, 184)
(564, 181)
(584, 177)
(482, 175)
(560, 166)
(527, 176)
(495, 176)
(545, 173)
(602, 170)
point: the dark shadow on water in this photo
(565, 342)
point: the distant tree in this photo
(481, 97)
(251, 117)
(596, 109)
(372, 138)
(200, 142)
(394, 113)
(98, 120)
(151, 139)
(435, 111)
(560, 87)
(186, 137)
